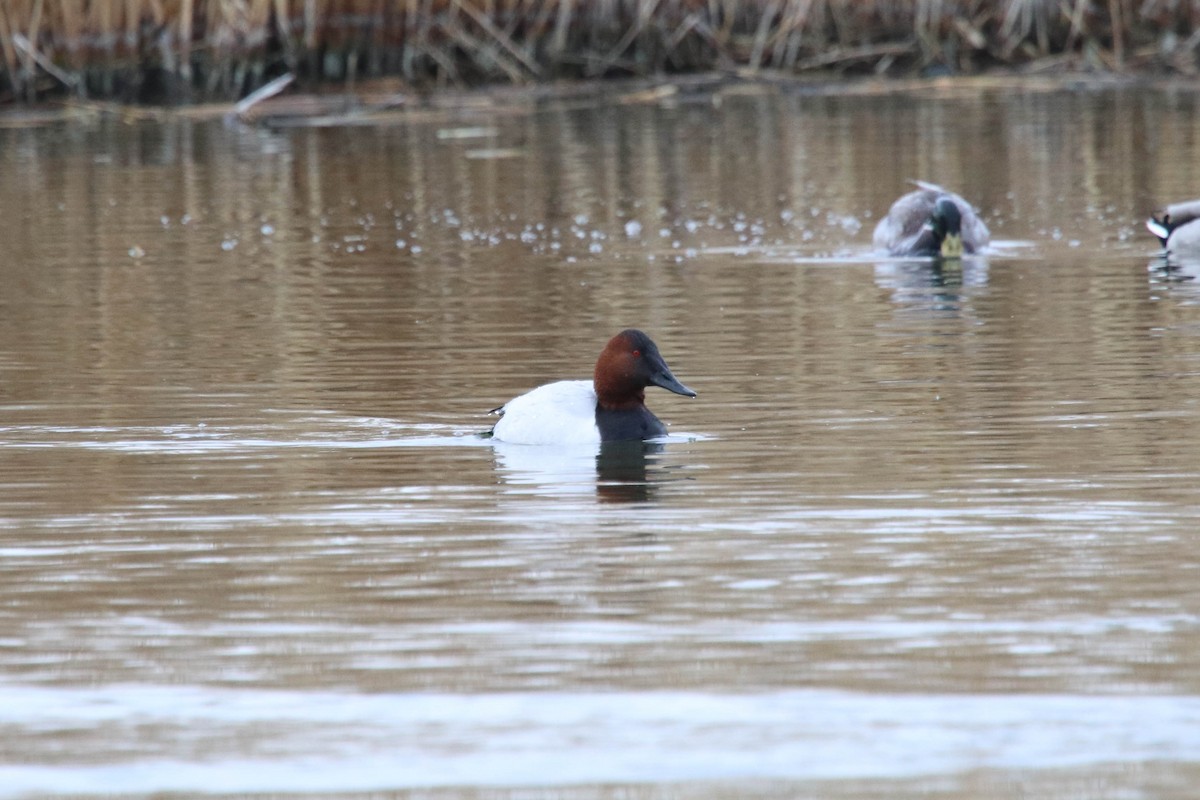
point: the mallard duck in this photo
(931, 221)
(1178, 228)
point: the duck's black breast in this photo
(618, 425)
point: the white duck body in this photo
(563, 412)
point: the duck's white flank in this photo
(557, 413)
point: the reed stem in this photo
(174, 50)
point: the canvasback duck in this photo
(931, 221)
(1178, 228)
(609, 408)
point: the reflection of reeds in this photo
(175, 49)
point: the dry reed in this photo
(179, 50)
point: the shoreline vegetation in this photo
(182, 52)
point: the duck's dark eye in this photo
(637, 352)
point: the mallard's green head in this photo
(946, 222)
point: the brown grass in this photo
(179, 50)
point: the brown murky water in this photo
(924, 533)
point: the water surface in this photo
(925, 532)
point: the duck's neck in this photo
(611, 399)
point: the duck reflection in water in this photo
(622, 471)
(618, 472)
(931, 286)
(1179, 276)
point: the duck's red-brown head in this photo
(629, 363)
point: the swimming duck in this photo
(1178, 228)
(609, 408)
(931, 221)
